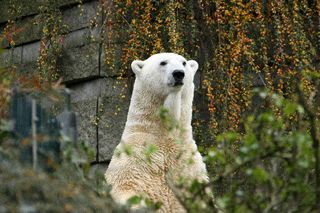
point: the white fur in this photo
(155, 176)
(173, 104)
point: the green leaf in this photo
(277, 100)
(290, 108)
(134, 200)
(267, 117)
(260, 174)
(244, 149)
(152, 205)
(300, 109)
(303, 163)
(149, 151)
(6, 126)
(223, 202)
(127, 149)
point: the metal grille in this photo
(39, 132)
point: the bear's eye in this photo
(184, 63)
(163, 63)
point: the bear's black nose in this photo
(178, 75)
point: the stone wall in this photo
(98, 97)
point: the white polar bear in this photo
(163, 80)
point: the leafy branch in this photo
(315, 141)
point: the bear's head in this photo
(165, 72)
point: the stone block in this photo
(27, 68)
(84, 98)
(110, 71)
(27, 7)
(11, 57)
(87, 90)
(29, 32)
(4, 10)
(86, 113)
(71, 17)
(118, 41)
(112, 99)
(113, 108)
(30, 52)
(80, 38)
(82, 20)
(79, 63)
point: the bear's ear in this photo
(194, 65)
(137, 66)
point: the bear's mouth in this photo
(178, 83)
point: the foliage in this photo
(272, 167)
(71, 187)
(239, 44)
(53, 30)
(5, 85)
(46, 79)
(273, 160)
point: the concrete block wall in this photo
(96, 92)
(100, 100)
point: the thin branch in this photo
(236, 168)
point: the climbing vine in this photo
(53, 31)
(239, 44)
(45, 76)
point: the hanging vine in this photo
(251, 43)
(53, 31)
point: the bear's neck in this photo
(143, 112)
(186, 110)
(173, 104)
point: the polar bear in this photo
(162, 80)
